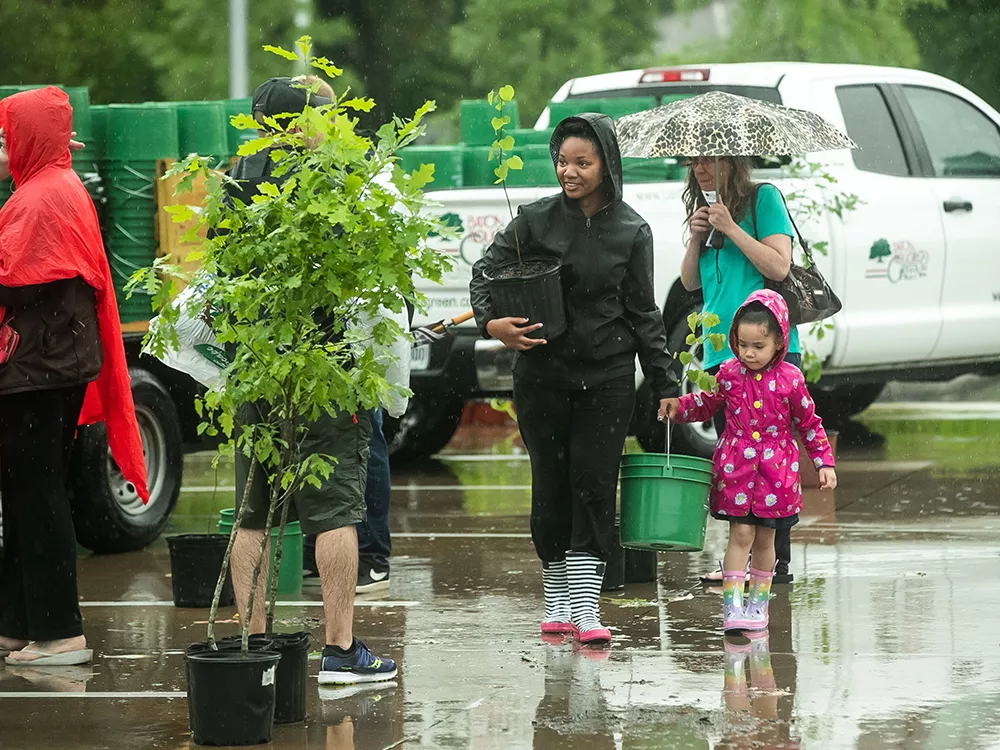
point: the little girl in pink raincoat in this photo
(756, 484)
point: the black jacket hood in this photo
(603, 128)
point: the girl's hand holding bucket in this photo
(668, 410)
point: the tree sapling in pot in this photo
(299, 285)
(531, 286)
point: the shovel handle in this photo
(459, 319)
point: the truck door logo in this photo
(905, 262)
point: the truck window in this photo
(764, 93)
(870, 124)
(962, 141)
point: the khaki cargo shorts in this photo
(339, 501)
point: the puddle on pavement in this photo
(883, 641)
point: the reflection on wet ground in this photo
(887, 639)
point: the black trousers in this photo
(782, 537)
(575, 440)
(38, 594)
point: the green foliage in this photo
(697, 322)
(956, 39)
(87, 43)
(540, 45)
(836, 31)
(498, 99)
(300, 273)
(188, 45)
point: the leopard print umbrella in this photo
(721, 124)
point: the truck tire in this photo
(837, 404)
(696, 439)
(426, 428)
(108, 515)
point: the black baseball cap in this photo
(278, 96)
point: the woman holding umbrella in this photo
(727, 275)
(739, 233)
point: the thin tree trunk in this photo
(264, 544)
(237, 522)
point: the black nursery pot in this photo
(195, 560)
(293, 676)
(530, 289)
(640, 565)
(231, 697)
(614, 569)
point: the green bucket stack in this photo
(476, 117)
(664, 501)
(290, 575)
(447, 161)
(137, 136)
(201, 129)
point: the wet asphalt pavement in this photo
(887, 639)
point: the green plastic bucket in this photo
(201, 129)
(290, 575)
(534, 173)
(142, 132)
(531, 137)
(477, 169)
(476, 116)
(664, 508)
(447, 161)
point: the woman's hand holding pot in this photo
(720, 218)
(513, 332)
(698, 223)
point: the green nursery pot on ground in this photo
(290, 575)
(663, 507)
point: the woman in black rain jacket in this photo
(574, 394)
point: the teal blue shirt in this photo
(724, 291)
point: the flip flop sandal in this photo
(44, 659)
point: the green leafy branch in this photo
(702, 321)
(820, 195)
(504, 143)
(295, 278)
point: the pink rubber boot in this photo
(555, 584)
(758, 599)
(733, 616)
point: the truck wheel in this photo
(695, 439)
(836, 404)
(107, 512)
(427, 427)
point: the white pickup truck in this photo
(917, 264)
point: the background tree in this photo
(537, 46)
(957, 40)
(395, 51)
(189, 44)
(873, 32)
(84, 43)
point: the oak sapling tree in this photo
(296, 282)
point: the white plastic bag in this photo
(396, 356)
(200, 355)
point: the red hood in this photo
(776, 304)
(37, 125)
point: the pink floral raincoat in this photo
(756, 462)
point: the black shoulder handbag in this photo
(808, 296)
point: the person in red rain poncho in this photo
(68, 368)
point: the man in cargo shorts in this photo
(330, 511)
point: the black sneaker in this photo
(371, 579)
